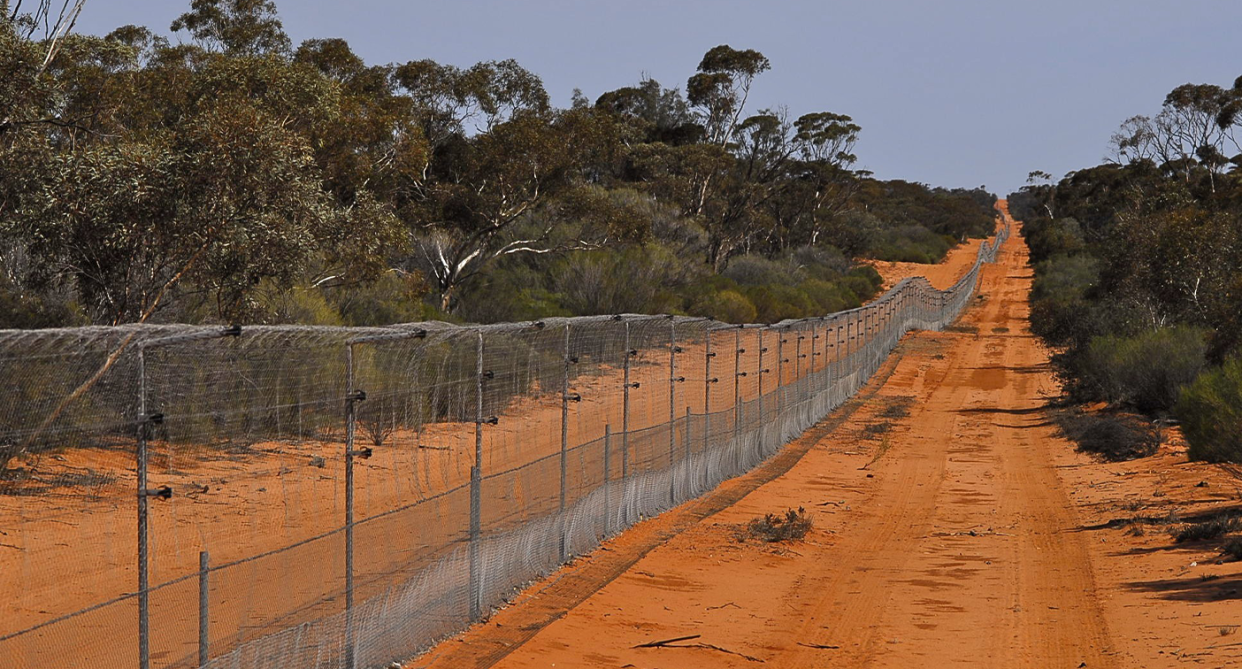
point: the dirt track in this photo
(967, 533)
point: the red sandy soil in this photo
(967, 534)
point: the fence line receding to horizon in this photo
(319, 497)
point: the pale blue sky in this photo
(948, 92)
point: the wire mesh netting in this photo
(178, 496)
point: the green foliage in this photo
(1147, 371)
(1210, 411)
(299, 304)
(957, 213)
(777, 302)
(1048, 238)
(234, 177)
(1065, 278)
(42, 309)
(727, 306)
(910, 244)
(240, 26)
(908, 222)
(1060, 310)
(829, 296)
(1138, 281)
(393, 298)
(756, 271)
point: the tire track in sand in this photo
(954, 548)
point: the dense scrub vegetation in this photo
(1138, 266)
(237, 177)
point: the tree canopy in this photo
(225, 174)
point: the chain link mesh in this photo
(291, 521)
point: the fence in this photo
(344, 497)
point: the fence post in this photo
(146, 420)
(760, 365)
(625, 409)
(810, 366)
(838, 359)
(350, 418)
(707, 392)
(686, 435)
(780, 375)
(144, 618)
(204, 637)
(564, 548)
(849, 338)
(737, 382)
(672, 408)
(476, 492)
(798, 364)
(607, 479)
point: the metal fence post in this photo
(798, 364)
(737, 382)
(476, 493)
(780, 374)
(760, 372)
(144, 618)
(625, 409)
(672, 408)
(686, 435)
(849, 338)
(832, 356)
(204, 621)
(350, 418)
(707, 392)
(564, 549)
(146, 420)
(607, 479)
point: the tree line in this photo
(1138, 266)
(231, 176)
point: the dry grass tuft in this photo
(774, 527)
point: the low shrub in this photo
(1112, 437)
(911, 243)
(829, 296)
(775, 527)
(22, 309)
(1049, 237)
(874, 430)
(1210, 411)
(776, 302)
(727, 306)
(897, 407)
(751, 270)
(1232, 548)
(1213, 528)
(864, 282)
(1065, 278)
(1147, 371)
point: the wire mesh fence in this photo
(176, 496)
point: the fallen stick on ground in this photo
(819, 646)
(668, 643)
(665, 642)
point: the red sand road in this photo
(968, 534)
